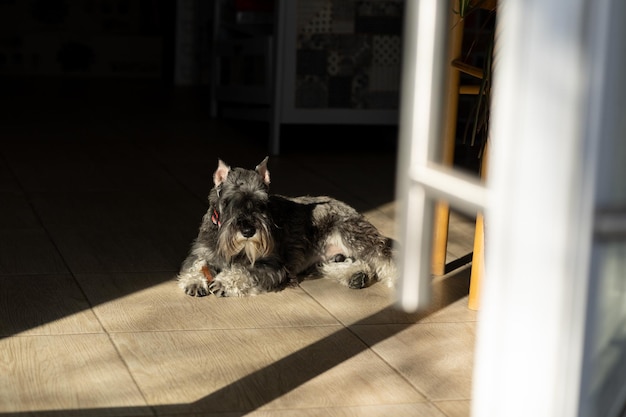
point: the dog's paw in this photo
(358, 280)
(340, 257)
(193, 284)
(217, 288)
(197, 289)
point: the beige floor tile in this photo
(15, 210)
(388, 209)
(436, 358)
(238, 370)
(115, 210)
(396, 410)
(130, 249)
(365, 176)
(460, 408)
(44, 305)
(375, 305)
(8, 183)
(460, 236)
(462, 219)
(452, 258)
(28, 251)
(69, 372)
(385, 224)
(308, 183)
(456, 250)
(144, 302)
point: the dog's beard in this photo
(231, 244)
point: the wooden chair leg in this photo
(440, 238)
(478, 264)
(478, 258)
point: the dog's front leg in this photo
(193, 283)
(238, 280)
(192, 279)
(234, 281)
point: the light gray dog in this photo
(251, 242)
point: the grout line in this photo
(222, 329)
(130, 373)
(349, 328)
(22, 335)
(395, 370)
(322, 306)
(436, 403)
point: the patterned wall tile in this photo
(346, 50)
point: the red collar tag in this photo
(215, 218)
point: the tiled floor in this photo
(100, 197)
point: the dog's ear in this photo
(262, 170)
(220, 173)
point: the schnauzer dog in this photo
(251, 242)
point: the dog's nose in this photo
(247, 230)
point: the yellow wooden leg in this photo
(440, 238)
(478, 264)
(478, 258)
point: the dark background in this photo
(117, 59)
